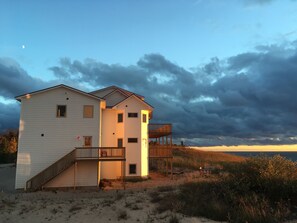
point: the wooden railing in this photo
(160, 151)
(81, 153)
(100, 153)
(159, 130)
(50, 172)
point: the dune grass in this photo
(194, 159)
(259, 190)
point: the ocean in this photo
(289, 155)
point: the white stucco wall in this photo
(38, 116)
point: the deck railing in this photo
(159, 130)
(160, 151)
(80, 153)
(100, 152)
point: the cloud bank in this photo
(245, 99)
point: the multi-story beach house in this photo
(70, 138)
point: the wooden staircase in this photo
(89, 153)
(36, 182)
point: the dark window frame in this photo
(120, 120)
(132, 114)
(58, 111)
(122, 142)
(134, 165)
(132, 140)
(144, 118)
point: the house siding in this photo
(61, 135)
(84, 175)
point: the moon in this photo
(23, 46)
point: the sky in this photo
(222, 72)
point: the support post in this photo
(166, 166)
(124, 175)
(74, 178)
(171, 169)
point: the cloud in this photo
(259, 2)
(245, 99)
(15, 81)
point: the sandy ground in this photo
(92, 205)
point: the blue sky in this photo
(191, 46)
(185, 31)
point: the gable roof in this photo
(136, 97)
(55, 87)
(115, 88)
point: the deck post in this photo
(74, 178)
(166, 166)
(124, 174)
(171, 169)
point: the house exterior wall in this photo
(61, 135)
(111, 131)
(136, 153)
(85, 175)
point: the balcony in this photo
(159, 130)
(100, 153)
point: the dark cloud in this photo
(247, 99)
(15, 81)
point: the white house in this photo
(70, 138)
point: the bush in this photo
(260, 189)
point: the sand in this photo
(89, 205)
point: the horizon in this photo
(223, 73)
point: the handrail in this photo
(50, 172)
(79, 153)
(160, 151)
(159, 130)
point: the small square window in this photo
(132, 169)
(120, 117)
(88, 111)
(132, 115)
(144, 118)
(132, 140)
(61, 110)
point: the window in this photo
(132, 169)
(88, 111)
(144, 118)
(132, 140)
(132, 115)
(88, 141)
(120, 142)
(61, 110)
(120, 117)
